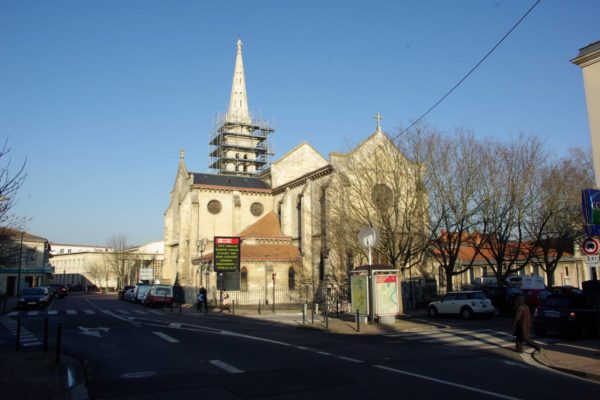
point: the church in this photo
(288, 213)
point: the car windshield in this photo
(32, 291)
(163, 291)
(564, 302)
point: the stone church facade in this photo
(280, 210)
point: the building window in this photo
(566, 271)
(244, 280)
(291, 279)
(245, 156)
(237, 155)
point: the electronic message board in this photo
(226, 254)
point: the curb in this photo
(74, 373)
(581, 374)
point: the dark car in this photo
(34, 297)
(566, 290)
(535, 297)
(503, 297)
(124, 290)
(572, 315)
(58, 289)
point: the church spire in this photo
(238, 104)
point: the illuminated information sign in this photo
(227, 254)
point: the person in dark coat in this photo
(521, 325)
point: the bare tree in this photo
(456, 177)
(118, 258)
(96, 271)
(508, 196)
(378, 186)
(556, 223)
(10, 183)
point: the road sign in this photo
(590, 246)
(593, 261)
(227, 254)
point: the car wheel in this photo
(432, 312)
(466, 313)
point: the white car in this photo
(140, 293)
(465, 304)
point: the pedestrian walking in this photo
(225, 303)
(521, 325)
(205, 295)
(201, 301)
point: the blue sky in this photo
(100, 96)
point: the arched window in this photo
(291, 279)
(237, 155)
(245, 156)
(244, 280)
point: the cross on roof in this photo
(378, 118)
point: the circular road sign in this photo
(591, 246)
(368, 237)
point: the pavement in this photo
(31, 374)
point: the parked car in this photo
(572, 315)
(129, 295)
(159, 295)
(566, 290)
(124, 290)
(34, 297)
(140, 293)
(502, 297)
(466, 304)
(58, 289)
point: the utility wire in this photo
(470, 72)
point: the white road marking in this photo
(89, 312)
(32, 313)
(124, 312)
(444, 382)
(166, 337)
(323, 353)
(12, 314)
(52, 312)
(71, 312)
(227, 367)
(350, 359)
(31, 344)
(156, 312)
(140, 312)
(174, 325)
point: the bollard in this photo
(337, 308)
(259, 307)
(303, 314)
(326, 312)
(18, 342)
(233, 307)
(312, 315)
(58, 342)
(45, 335)
(171, 306)
(179, 307)
(357, 321)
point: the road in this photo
(132, 352)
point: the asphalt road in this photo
(132, 352)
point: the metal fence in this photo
(278, 298)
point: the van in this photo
(140, 293)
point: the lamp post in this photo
(201, 244)
(20, 263)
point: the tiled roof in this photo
(16, 234)
(243, 182)
(266, 227)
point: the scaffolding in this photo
(233, 139)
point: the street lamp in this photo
(20, 263)
(201, 244)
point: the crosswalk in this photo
(481, 339)
(26, 338)
(71, 312)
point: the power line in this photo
(470, 72)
